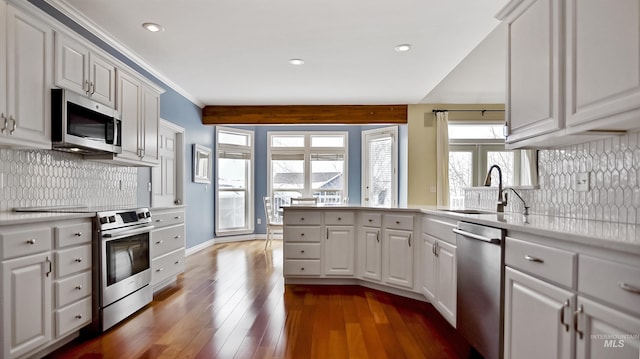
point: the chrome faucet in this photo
(524, 204)
(487, 182)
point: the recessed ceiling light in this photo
(296, 62)
(403, 47)
(153, 27)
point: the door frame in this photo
(377, 133)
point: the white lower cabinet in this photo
(339, 251)
(446, 283)
(537, 318)
(603, 332)
(370, 253)
(167, 246)
(397, 252)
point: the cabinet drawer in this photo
(547, 262)
(605, 280)
(396, 221)
(441, 228)
(72, 234)
(299, 218)
(166, 240)
(371, 219)
(16, 244)
(167, 219)
(299, 267)
(71, 289)
(72, 260)
(73, 317)
(167, 266)
(302, 234)
(339, 218)
(302, 251)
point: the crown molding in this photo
(88, 24)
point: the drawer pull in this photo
(79, 316)
(159, 269)
(79, 260)
(177, 236)
(565, 306)
(301, 234)
(176, 217)
(78, 234)
(32, 241)
(397, 222)
(302, 251)
(629, 288)
(339, 218)
(533, 259)
(302, 269)
(159, 242)
(79, 287)
(158, 220)
(370, 220)
(302, 218)
(177, 262)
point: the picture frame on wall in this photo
(202, 164)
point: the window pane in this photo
(232, 210)
(287, 141)
(233, 138)
(232, 173)
(460, 176)
(327, 177)
(327, 141)
(287, 174)
(504, 159)
(483, 131)
(380, 171)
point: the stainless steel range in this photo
(122, 274)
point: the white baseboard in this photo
(245, 237)
(198, 247)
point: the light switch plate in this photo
(582, 182)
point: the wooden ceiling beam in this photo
(304, 114)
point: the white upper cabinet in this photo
(603, 65)
(81, 70)
(573, 70)
(533, 63)
(25, 102)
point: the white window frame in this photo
(250, 205)
(393, 132)
(307, 150)
(479, 152)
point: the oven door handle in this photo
(126, 233)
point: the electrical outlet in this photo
(259, 220)
(582, 182)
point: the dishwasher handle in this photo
(476, 236)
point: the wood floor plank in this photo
(231, 302)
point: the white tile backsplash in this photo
(51, 178)
(613, 166)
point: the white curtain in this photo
(529, 170)
(442, 158)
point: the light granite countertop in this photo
(617, 236)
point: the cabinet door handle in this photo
(15, 123)
(50, 269)
(327, 233)
(86, 84)
(4, 127)
(629, 288)
(575, 321)
(564, 307)
(533, 259)
(409, 240)
(93, 88)
(378, 236)
(433, 248)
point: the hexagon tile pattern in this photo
(613, 165)
(35, 178)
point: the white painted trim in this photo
(75, 15)
(395, 178)
(198, 247)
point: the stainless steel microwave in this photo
(81, 125)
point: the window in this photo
(234, 185)
(473, 148)
(310, 164)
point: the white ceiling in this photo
(236, 52)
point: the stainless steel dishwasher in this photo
(480, 284)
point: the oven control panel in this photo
(123, 218)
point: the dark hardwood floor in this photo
(231, 302)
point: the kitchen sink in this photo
(468, 211)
